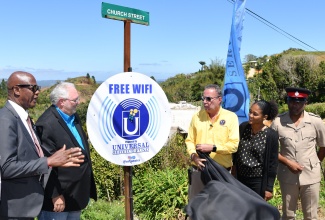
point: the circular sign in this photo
(128, 119)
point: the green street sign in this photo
(124, 13)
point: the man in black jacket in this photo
(68, 190)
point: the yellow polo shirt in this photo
(222, 132)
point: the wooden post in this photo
(127, 45)
(128, 169)
(128, 193)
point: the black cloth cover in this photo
(225, 198)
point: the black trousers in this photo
(255, 183)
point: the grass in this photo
(104, 210)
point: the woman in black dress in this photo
(256, 161)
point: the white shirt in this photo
(23, 115)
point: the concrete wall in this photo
(182, 115)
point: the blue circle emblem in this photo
(130, 119)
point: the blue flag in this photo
(235, 90)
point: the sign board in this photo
(124, 13)
(128, 119)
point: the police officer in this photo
(299, 171)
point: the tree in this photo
(94, 79)
(152, 77)
(250, 57)
(202, 64)
(3, 89)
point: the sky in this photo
(56, 40)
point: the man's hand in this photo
(198, 161)
(66, 158)
(58, 203)
(76, 161)
(204, 148)
(294, 167)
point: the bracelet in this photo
(192, 156)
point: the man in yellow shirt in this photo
(213, 130)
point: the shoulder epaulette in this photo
(282, 114)
(313, 114)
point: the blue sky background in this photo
(61, 39)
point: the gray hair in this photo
(215, 87)
(60, 91)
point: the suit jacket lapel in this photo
(66, 128)
(22, 126)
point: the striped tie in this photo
(37, 145)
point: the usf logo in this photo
(130, 119)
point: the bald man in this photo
(21, 159)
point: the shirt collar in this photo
(217, 115)
(67, 118)
(20, 110)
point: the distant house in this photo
(252, 63)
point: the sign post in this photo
(128, 122)
(128, 16)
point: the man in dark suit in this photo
(68, 190)
(22, 162)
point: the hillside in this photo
(84, 85)
(319, 55)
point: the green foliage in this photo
(161, 194)
(202, 65)
(153, 78)
(108, 177)
(3, 88)
(3, 92)
(82, 112)
(103, 210)
(160, 184)
(172, 155)
(322, 196)
(94, 80)
(177, 88)
(276, 201)
(189, 87)
(317, 108)
(250, 57)
(292, 68)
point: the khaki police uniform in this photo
(298, 143)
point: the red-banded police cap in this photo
(297, 94)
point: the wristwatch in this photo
(214, 149)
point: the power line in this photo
(277, 29)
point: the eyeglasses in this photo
(74, 100)
(32, 88)
(208, 98)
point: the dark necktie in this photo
(36, 143)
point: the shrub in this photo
(161, 194)
(317, 108)
(172, 155)
(107, 176)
